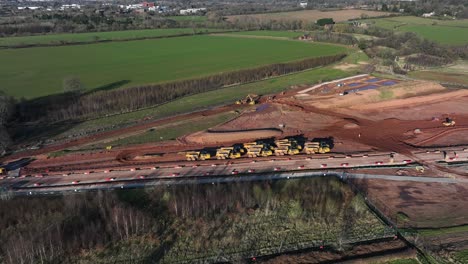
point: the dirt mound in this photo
(214, 137)
(351, 126)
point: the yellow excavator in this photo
(250, 99)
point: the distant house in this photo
(428, 14)
(147, 4)
(72, 6)
(303, 4)
(190, 11)
(29, 7)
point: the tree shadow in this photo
(108, 87)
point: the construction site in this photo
(409, 137)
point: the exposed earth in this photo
(378, 127)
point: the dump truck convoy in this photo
(280, 147)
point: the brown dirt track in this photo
(313, 15)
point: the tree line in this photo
(58, 229)
(71, 106)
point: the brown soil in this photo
(312, 15)
(426, 204)
(222, 137)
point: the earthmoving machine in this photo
(448, 122)
(197, 155)
(250, 99)
(313, 147)
(287, 146)
(2, 171)
(258, 149)
(229, 152)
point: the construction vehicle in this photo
(448, 122)
(2, 171)
(108, 147)
(229, 152)
(250, 99)
(197, 155)
(314, 147)
(287, 146)
(258, 149)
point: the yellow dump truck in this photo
(228, 153)
(258, 149)
(197, 155)
(287, 147)
(316, 147)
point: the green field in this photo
(188, 18)
(447, 32)
(456, 73)
(213, 98)
(97, 36)
(175, 130)
(270, 33)
(35, 72)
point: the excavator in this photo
(448, 122)
(250, 99)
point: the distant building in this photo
(303, 4)
(190, 11)
(29, 7)
(428, 14)
(72, 6)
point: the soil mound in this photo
(215, 137)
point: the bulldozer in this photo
(196, 155)
(229, 152)
(316, 147)
(448, 122)
(250, 99)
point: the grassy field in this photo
(188, 18)
(96, 36)
(443, 231)
(35, 72)
(456, 73)
(402, 261)
(449, 32)
(461, 256)
(217, 97)
(270, 33)
(174, 130)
